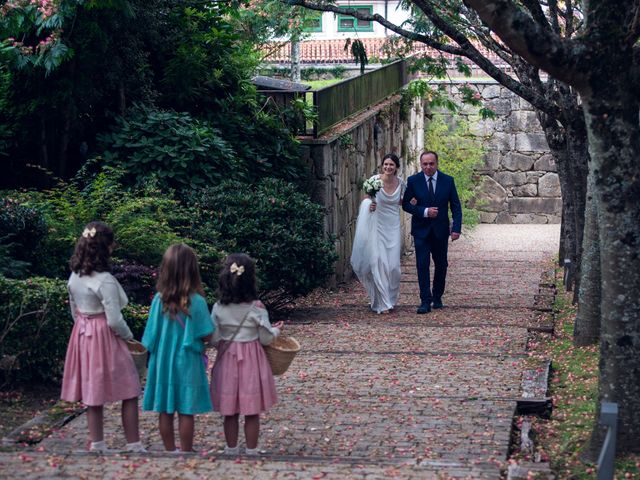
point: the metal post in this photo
(606, 460)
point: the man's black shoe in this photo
(437, 304)
(424, 308)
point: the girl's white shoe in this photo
(135, 447)
(231, 450)
(251, 452)
(98, 447)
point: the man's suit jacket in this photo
(445, 195)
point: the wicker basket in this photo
(280, 353)
(139, 354)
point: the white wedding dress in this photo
(375, 257)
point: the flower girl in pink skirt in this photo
(242, 382)
(98, 368)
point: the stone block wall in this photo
(342, 158)
(518, 180)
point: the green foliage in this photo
(32, 33)
(35, 324)
(208, 60)
(136, 317)
(142, 226)
(309, 73)
(277, 226)
(9, 266)
(358, 51)
(22, 229)
(145, 220)
(180, 151)
(459, 154)
(7, 120)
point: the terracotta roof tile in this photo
(333, 51)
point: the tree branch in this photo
(535, 9)
(324, 7)
(471, 52)
(465, 48)
(537, 45)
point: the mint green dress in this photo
(177, 378)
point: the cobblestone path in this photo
(370, 396)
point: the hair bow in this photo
(89, 232)
(238, 270)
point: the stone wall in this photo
(519, 183)
(342, 158)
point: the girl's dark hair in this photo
(93, 249)
(393, 157)
(179, 277)
(237, 280)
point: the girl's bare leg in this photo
(130, 420)
(95, 418)
(231, 430)
(166, 431)
(252, 430)
(185, 427)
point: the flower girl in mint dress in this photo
(179, 325)
(242, 382)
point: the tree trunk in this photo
(558, 145)
(569, 147)
(614, 134)
(295, 59)
(578, 157)
(587, 322)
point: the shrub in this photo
(459, 153)
(9, 266)
(143, 227)
(35, 324)
(138, 281)
(278, 226)
(136, 317)
(22, 229)
(182, 152)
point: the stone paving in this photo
(370, 396)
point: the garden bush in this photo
(278, 226)
(142, 228)
(22, 229)
(138, 281)
(182, 152)
(35, 324)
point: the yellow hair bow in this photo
(238, 270)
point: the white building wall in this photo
(330, 31)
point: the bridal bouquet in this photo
(371, 186)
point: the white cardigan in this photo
(97, 293)
(227, 318)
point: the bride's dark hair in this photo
(393, 157)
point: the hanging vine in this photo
(358, 52)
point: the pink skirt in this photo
(241, 380)
(98, 368)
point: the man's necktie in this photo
(431, 192)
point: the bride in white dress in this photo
(375, 257)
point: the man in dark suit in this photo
(434, 192)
